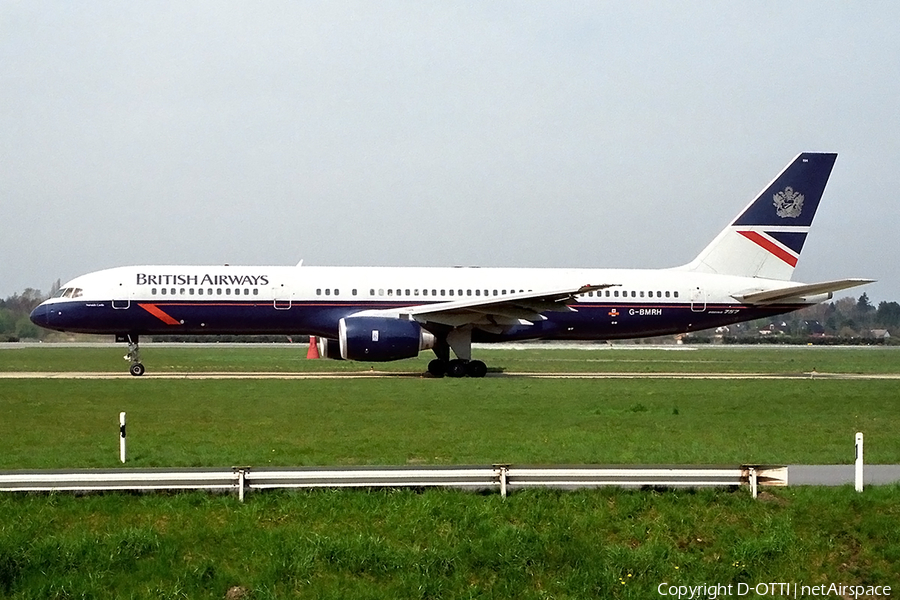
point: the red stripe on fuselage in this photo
(159, 314)
(770, 246)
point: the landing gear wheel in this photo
(437, 368)
(476, 368)
(137, 369)
(456, 368)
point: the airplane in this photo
(392, 313)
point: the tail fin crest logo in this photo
(788, 203)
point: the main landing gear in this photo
(134, 355)
(460, 340)
(457, 368)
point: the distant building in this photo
(814, 328)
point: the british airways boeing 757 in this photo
(391, 313)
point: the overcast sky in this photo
(590, 134)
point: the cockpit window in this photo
(69, 293)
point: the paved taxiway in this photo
(409, 375)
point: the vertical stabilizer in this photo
(766, 238)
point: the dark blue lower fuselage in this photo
(590, 321)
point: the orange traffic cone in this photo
(313, 351)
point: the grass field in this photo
(445, 544)
(74, 423)
(442, 544)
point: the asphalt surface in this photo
(834, 475)
(418, 374)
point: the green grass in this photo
(74, 423)
(442, 544)
(292, 358)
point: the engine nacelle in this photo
(329, 348)
(381, 339)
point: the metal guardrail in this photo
(501, 477)
(103, 480)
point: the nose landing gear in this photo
(134, 355)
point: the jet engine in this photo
(380, 339)
(328, 348)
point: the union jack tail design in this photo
(766, 238)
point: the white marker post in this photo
(859, 462)
(122, 437)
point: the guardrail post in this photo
(859, 461)
(753, 481)
(122, 437)
(502, 472)
(241, 473)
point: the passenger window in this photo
(381, 291)
(442, 292)
(162, 291)
(191, 291)
(227, 291)
(659, 294)
(477, 292)
(219, 291)
(667, 294)
(153, 291)
(246, 291)
(676, 294)
(390, 292)
(616, 293)
(327, 291)
(336, 291)
(434, 292)
(633, 294)
(468, 292)
(172, 291)
(416, 292)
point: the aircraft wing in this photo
(493, 313)
(797, 292)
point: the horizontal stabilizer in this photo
(798, 292)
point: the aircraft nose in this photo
(40, 316)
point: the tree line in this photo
(14, 322)
(846, 319)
